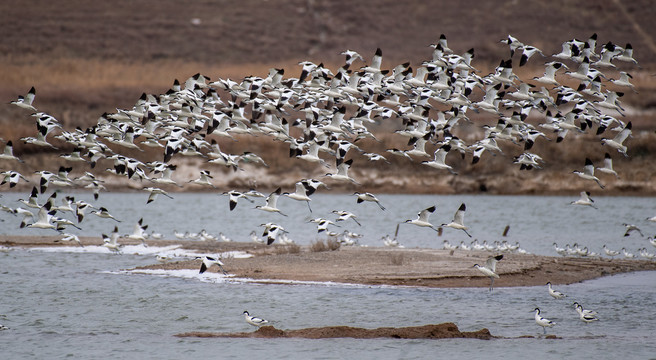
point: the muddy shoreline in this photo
(439, 331)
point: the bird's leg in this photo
(308, 204)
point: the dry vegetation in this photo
(86, 58)
(287, 249)
(324, 245)
(397, 259)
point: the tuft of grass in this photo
(325, 245)
(397, 259)
(287, 249)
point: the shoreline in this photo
(417, 267)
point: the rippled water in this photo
(536, 222)
(82, 305)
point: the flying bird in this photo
(458, 221)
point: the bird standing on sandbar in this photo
(489, 269)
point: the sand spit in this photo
(377, 265)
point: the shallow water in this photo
(83, 305)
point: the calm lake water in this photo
(68, 304)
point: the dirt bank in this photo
(440, 331)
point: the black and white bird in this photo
(618, 141)
(300, 193)
(153, 192)
(609, 252)
(527, 52)
(584, 200)
(345, 215)
(322, 224)
(12, 177)
(489, 269)
(255, 321)
(138, 232)
(8, 153)
(439, 159)
(342, 173)
(584, 314)
(272, 203)
(207, 263)
(272, 231)
(628, 255)
(361, 197)
(545, 323)
(608, 166)
(44, 218)
(25, 102)
(70, 237)
(234, 196)
(588, 172)
(111, 241)
(555, 293)
(458, 221)
(631, 228)
(422, 218)
(587, 316)
(204, 179)
(104, 213)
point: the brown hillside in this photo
(89, 57)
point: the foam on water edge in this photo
(172, 251)
(220, 278)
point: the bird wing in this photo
(459, 216)
(622, 135)
(424, 214)
(491, 262)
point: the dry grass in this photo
(324, 245)
(287, 249)
(397, 259)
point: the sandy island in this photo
(378, 265)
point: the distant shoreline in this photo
(377, 265)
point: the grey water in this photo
(83, 305)
(536, 222)
(73, 305)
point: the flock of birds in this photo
(585, 315)
(325, 118)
